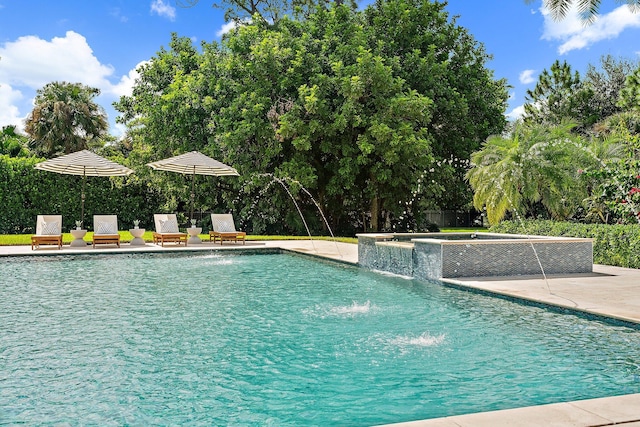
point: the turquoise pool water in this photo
(280, 340)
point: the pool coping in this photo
(605, 411)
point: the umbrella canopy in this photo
(84, 163)
(194, 163)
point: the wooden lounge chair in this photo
(167, 230)
(48, 231)
(105, 230)
(225, 229)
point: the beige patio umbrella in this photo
(84, 163)
(194, 163)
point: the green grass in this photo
(125, 236)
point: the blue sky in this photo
(101, 42)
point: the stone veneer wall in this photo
(432, 259)
(513, 259)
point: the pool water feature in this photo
(281, 340)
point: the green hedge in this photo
(617, 245)
(26, 192)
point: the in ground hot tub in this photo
(448, 255)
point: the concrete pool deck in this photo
(609, 291)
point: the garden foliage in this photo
(28, 192)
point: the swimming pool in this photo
(280, 340)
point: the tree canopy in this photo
(553, 99)
(358, 106)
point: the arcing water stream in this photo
(281, 181)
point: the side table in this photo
(137, 237)
(78, 238)
(193, 235)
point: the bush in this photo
(617, 245)
(26, 192)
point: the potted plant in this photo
(78, 225)
(193, 223)
(136, 223)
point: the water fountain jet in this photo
(281, 182)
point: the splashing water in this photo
(424, 340)
(354, 308)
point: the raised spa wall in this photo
(432, 256)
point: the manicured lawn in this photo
(125, 236)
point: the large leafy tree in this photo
(165, 117)
(325, 101)
(319, 107)
(65, 119)
(160, 109)
(441, 60)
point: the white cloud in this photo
(9, 112)
(516, 113)
(574, 34)
(226, 28)
(126, 83)
(230, 26)
(526, 77)
(163, 9)
(29, 63)
(33, 62)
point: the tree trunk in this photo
(375, 213)
(321, 199)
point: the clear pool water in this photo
(280, 340)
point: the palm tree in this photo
(65, 119)
(532, 166)
(588, 9)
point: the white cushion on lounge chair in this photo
(224, 227)
(223, 223)
(51, 228)
(106, 228)
(168, 226)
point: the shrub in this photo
(26, 192)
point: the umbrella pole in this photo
(84, 180)
(193, 189)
